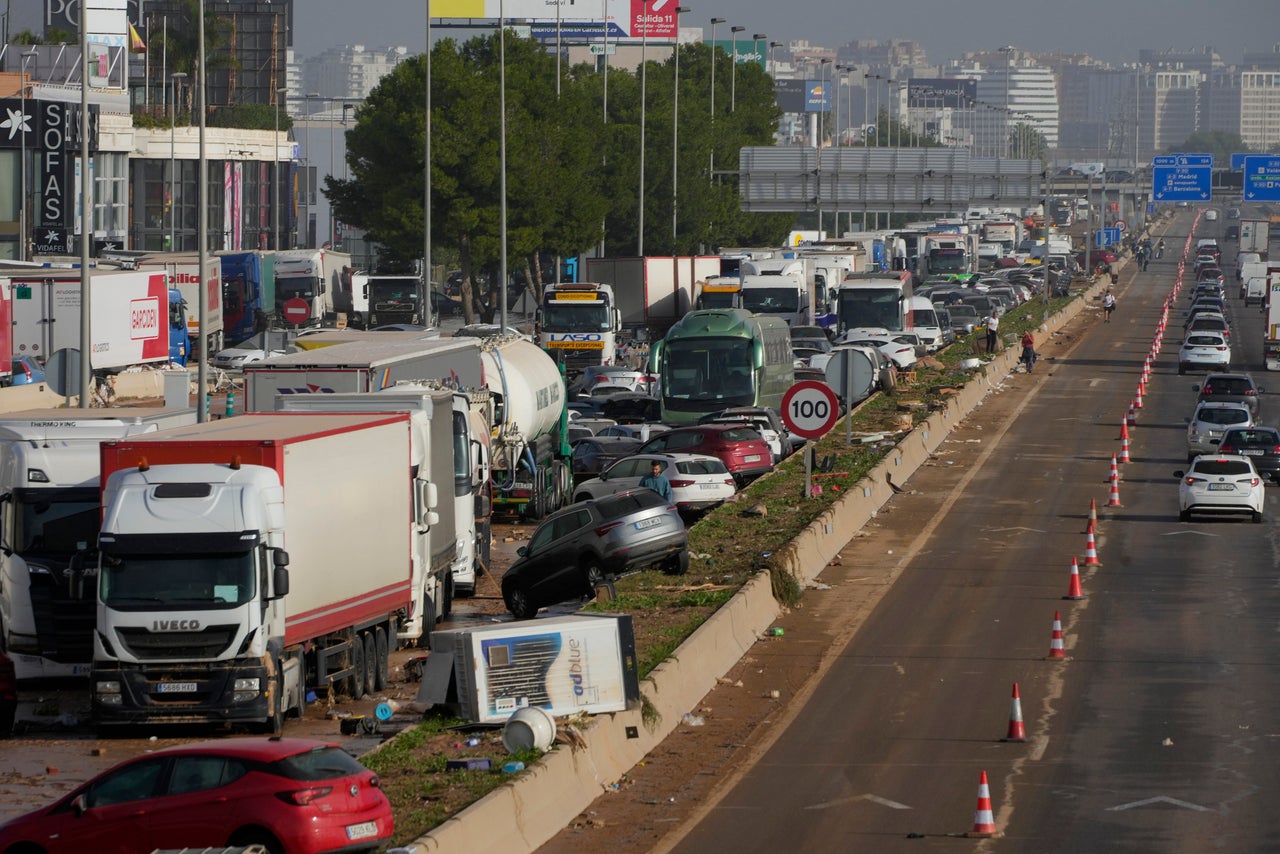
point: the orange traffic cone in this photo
(1074, 591)
(1124, 450)
(1133, 416)
(1056, 647)
(984, 823)
(1137, 397)
(1124, 428)
(1017, 730)
(1090, 550)
(1114, 474)
(1093, 513)
(1114, 499)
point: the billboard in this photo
(790, 95)
(625, 19)
(940, 93)
(816, 97)
(749, 50)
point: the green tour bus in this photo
(717, 358)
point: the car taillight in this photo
(729, 481)
(606, 528)
(302, 797)
(1227, 449)
(1253, 481)
(681, 483)
(1219, 348)
(1250, 393)
(1191, 480)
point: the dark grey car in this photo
(1231, 388)
(592, 542)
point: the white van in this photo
(1243, 258)
(1255, 290)
(1249, 270)
(924, 320)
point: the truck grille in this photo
(209, 642)
(64, 626)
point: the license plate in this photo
(751, 458)
(647, 523)
(1222, 487)
(363, 830)
(708, 486)
(1253, 452)
(176, 688)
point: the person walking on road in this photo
(1028, 350)
(1160, 248)
(993, 330)
(1108, 306)
(657, 481)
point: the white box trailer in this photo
(652, 293)
(362, 366)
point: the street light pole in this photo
(675, 136)
(22, 163)
(733, 78)
(173, 120)
(644, 79)
(275, 176)
(715, 56)
(1007, 50)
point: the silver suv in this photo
(591, 543)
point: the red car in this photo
(286, 794)
(742, 449)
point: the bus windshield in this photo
(946, 261)
(862, 307)
(709, 369)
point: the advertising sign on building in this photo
(57, 126)
(624, 19)
(940, 93)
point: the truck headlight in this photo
(107, 692)
(253, 684)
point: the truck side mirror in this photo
(280, 582)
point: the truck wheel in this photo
(447, 593)
(355, 682)
(381, 650)
(370, 663)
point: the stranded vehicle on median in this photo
(592, 542)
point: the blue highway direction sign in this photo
(1237, 161)
(1261, 179)
(1186, 181)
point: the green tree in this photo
(1027, 143)
(1218, 143)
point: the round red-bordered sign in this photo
(1121, 225)
(296, 311)
(810, 409)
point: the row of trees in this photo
(573, 158)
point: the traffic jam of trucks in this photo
(204, 572)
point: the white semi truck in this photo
(247, 560)
(49, 527)
(451, 448)
(312, 285)
(579, 323)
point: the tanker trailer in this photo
(525, 399)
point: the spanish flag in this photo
(136, 44)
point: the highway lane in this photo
(1158, 734)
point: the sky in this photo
(1109, 30)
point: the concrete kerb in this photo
(528, 811)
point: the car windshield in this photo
(707, 466)
(1251, 437)
(1225, 385)
(323, 763)
(1204, 341)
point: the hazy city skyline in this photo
(1109, 31)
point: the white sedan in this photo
(1220, 483)
(234, 358)
(896, 348)
(698, 482)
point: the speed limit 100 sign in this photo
(810, 409)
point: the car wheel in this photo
(593, 575)
(518, 603)
(1184, 516)
(677, 564)
(1257, 517)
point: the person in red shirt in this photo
(1028, 350)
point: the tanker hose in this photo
(516, 455)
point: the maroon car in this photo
(742, 449)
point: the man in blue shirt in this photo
(657, 481)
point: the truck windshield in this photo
(719, 299)
(870, 307)
(300, 287)
(575, 317)
(771, 300)
(384, 294)
(946, 261)
(192, 580)
(708, 368)
(55, 521)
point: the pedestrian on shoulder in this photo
(993, 330)
(657, 481)
(1108, 306)
(1028, 350)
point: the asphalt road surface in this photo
(1160, 731)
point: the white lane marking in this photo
(1157, 800)
(875, 799)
